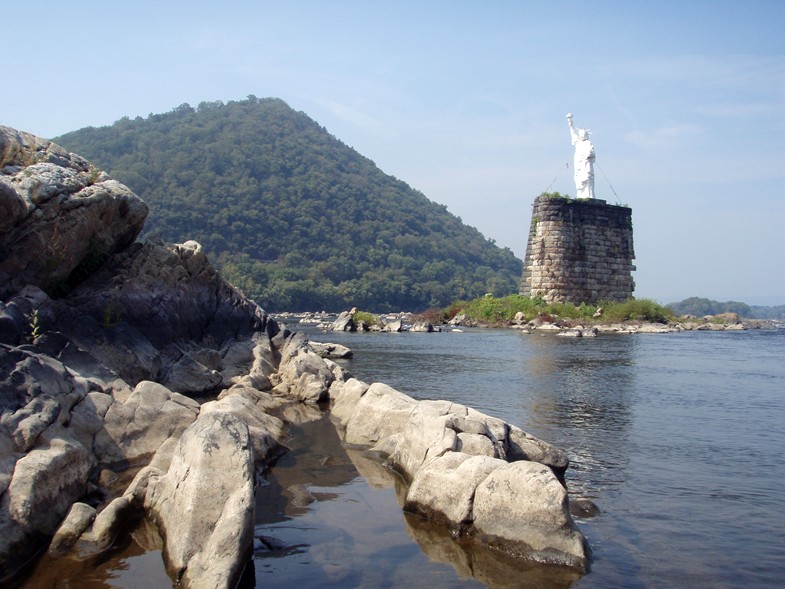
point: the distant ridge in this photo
(291, 215)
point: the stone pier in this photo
(579, 251)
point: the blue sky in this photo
(466, 102)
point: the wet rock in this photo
(583, 507)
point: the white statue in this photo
(584, 160)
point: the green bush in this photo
(638, 310)
(493, 310)
(369, 318)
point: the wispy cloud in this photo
(669, 136)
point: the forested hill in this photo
(291, 215)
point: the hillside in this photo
(291, 215)
(699, 307)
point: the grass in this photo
(500, 310)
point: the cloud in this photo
(669, 136)
(357, 118)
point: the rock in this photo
(423, 327)
(344, 397)
(107, 526)
(573, 332)
(87, 417)
(423, 438)
(379, 417)
(212, 468)
(459, 319)
(266, 431)
(45, 483)
(394, 326)
(524, 446)
(79, 518)
(583, 507)
(236, 359)
(303, 374)
(344, 322)
(191, 377)
(326, 350)
(136, 429)
(522, 509)
(154, 295)
(60, 216)
(443, 490)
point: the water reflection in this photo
(352, 532)
(579, 394)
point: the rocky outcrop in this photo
(468, 470)
(92, 328)
(103, 340)
(59, 216)
(207, 519)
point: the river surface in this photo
(677, 438)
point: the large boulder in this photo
(45, 482)
(59, 216)
(468, 470)
(302, 373)
(204, 505)
(523, 508)
(135, 429)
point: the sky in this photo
(466, 101)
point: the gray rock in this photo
(266, 432)
(424, 437)
(135, 429)
(303, 374)
(79, 518)
(344, 397)
(189, 376)
(213, 468)
(394, 326)
(522, 508)
(344, 322)
(58, 213)
(443, 490)
(379, 417)
(524, 446)
(327, 350)
(45, 482)
(106, 526)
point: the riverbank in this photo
(569, 327)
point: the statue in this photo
(584, 160)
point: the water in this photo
(676, 437)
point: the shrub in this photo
(638, 310)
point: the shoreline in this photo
(405, 321)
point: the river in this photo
(676, 437)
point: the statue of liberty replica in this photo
(583, 163)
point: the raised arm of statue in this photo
(573, 131)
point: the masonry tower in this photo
(579, 251)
